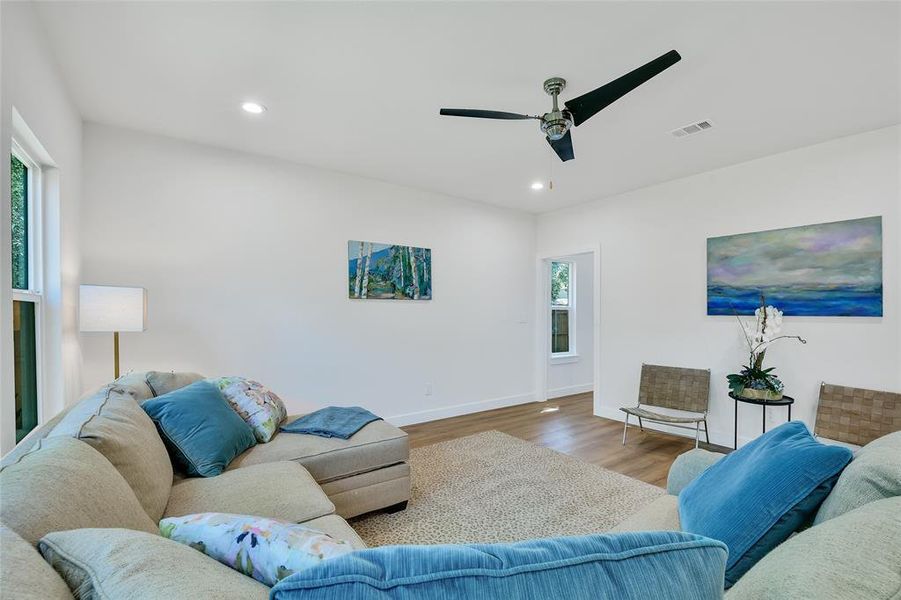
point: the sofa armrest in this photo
(687, 466)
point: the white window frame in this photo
(572, 354)
(35, 291)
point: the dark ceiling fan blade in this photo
(563, 147)
(484, 114)
(587, 105)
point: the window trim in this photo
(572, 354)
(34, 205)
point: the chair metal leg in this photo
(706, 433)
(697, 433)
(640, 424)
(625, 428)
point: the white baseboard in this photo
(570, 390)
(456, 410)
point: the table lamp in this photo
(113, 309)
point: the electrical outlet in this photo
(428, 389)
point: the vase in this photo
(753, 394)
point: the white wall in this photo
(653, 273)
(576, 375)
(245, 263)
(32, 85)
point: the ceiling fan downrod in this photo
(556, 123)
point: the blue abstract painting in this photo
(388, 271)
(830, 269)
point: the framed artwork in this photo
(388, 271)
(830, 270)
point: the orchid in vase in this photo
(753, 381)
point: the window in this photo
(562, 308)
(26, 284)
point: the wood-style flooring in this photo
(573, 430)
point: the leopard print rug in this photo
(493, 487)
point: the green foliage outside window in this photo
(19, 193)
(560, 283)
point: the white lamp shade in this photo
(112, 308)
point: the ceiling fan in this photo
(557, 123)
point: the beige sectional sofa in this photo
(90, 486)
(101, 464)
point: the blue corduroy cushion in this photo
(756, 497)
(201, 431)
(626, 566)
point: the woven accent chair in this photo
(855, 415)
(685, 390)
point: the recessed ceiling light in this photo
(537, 185)
(253, 108)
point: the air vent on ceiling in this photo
(693, 128)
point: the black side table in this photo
(785, 401)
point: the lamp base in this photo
(116, 354)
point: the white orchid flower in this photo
(763, 330)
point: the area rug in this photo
(493, 487)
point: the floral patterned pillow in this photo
(265, 549)
(258, 406)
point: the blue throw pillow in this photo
(201, 431)
(756, 497)
(627, 566)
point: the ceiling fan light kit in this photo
(557, 123)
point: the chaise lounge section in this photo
(365, 473)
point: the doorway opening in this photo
(567, 340)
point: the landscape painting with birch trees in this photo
(388, 271)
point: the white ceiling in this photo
(356, 87)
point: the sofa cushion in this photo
(577, 568)
(23, 571)
(855, 556)
(338, 528)
(266, 549)
(687, 467)
(113, 423)
(757, 496)
(33, 439)
(874, 473)
(163, 382)
(120, 563)
(201, 431)
(65, 484)
(377, 445)
(279, 490)
(662, 514)
(259, 406)
(135, 382)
